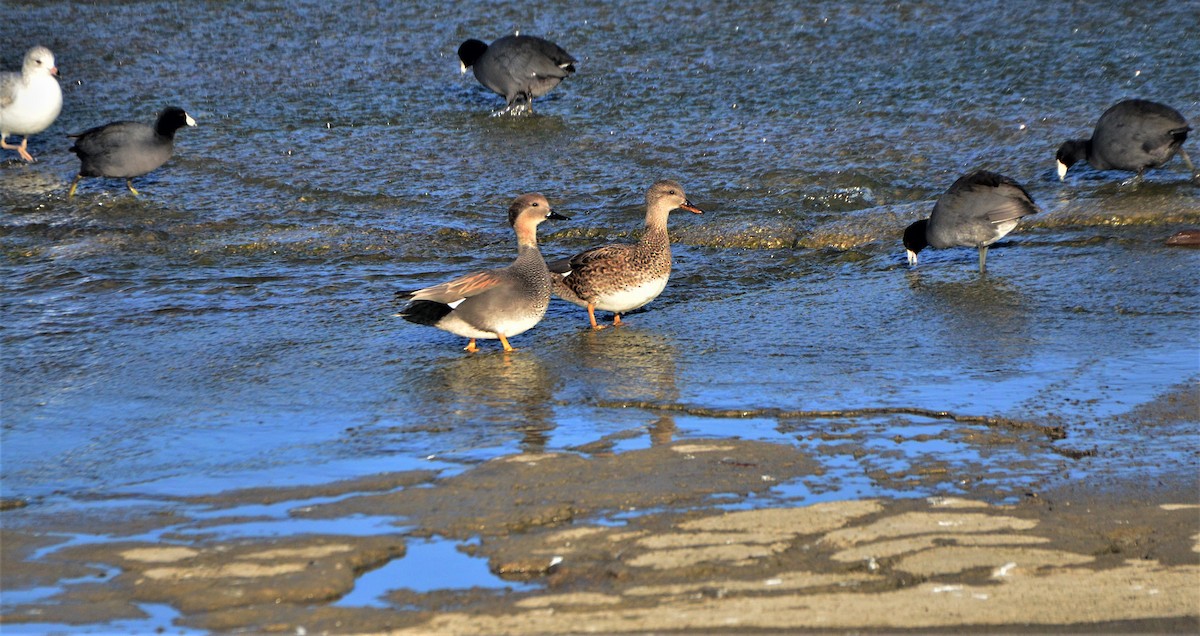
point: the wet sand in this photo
(694, 552)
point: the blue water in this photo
(233, 326)
(427, 566)
(158, 617)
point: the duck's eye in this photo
(534, 204)
(671, 192)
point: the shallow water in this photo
(234, 325)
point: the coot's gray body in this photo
(127, 149)
(1133, 135)
(979, 209)
(519, 67)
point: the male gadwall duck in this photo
(30, 100)
(519, 67)
(978, 210)
(126, 149)
(622, 277)
(498, 303)
(1133, 135)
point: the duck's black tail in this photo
(425, 312)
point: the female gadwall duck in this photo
(519, 67)
(978, 210)
(30, 100)
(621, 277)
(499, 303)
(127, 149)
(1133, 135)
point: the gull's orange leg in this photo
(23, 152)
(591, 307)
(504, 341)
(20, 149)
(471, 346)
(616, 320)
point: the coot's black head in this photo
(914, 240)
(172, 119)
(1070, 153)
(469, 53)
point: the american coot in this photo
(622, 277)
(1133, 135)
(978, 210)
(519, 67)
(499, 303)
(127, 149)
(30, 100)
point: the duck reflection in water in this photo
(634, 367)
(485, 396)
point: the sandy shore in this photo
(1065, 561)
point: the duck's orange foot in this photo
(592, 317)
(471, 346)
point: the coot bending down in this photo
(519, 67)
(1134, 135)
(978, 210)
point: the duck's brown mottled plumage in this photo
(622, 277)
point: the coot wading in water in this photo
(1135, 135)
(127, 149)
(978, 210)
(518, 67)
